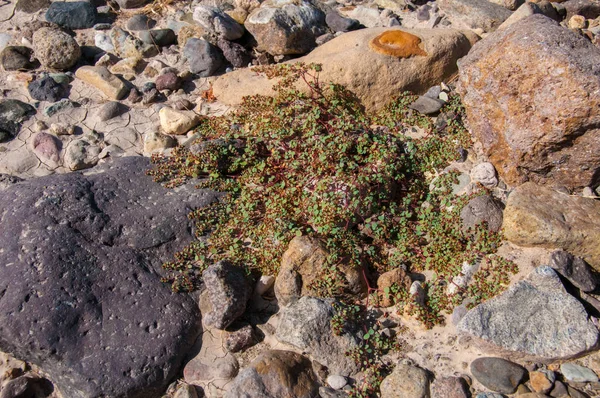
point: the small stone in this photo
(542, 381)
(81, 155)
(498, 374)
(338, 23)
(168, 81)
(229, 292)
(406, 381)
(129, 4)
(423, 13)
(101, 78)
(234, 53)
(46, 89)
(140, 22)
(18, 58)
(102, 26)
(102, 40)
(186, 391)
(134, 96)
(588, 192)
(337, 382)
(203, 58)
(577, 373)
(183, 105)
(156, 142)
(57, 107)
(32, 6)
(485, 174)
(489, 395)
(426, 105)
(559, 390)
(55, 49)
(240, 339)
(21, 387)
(450, 387)
(575, 269)
(217, 22)
(264, 284)
(46, 146)
(72, 15)
(158, 37)
(62, 129)
(151, 96)
(577, 22)
(177, 122)
(128, 46)
(480, 209)
(110, 110)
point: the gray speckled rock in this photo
(218, 23)
(85, 255)
(229, 292)
(203, 58)
(306, 324)
(72, 15)
(535, 318)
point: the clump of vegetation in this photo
(314, 162)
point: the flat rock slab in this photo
(80, 290)
(535, 319)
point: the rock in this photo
(264, 284)
(450, 387)
(542, 381)
(189, 32)
(168, 81)
(7, 181)
(337, 382)
(22, 387)
(12, 115)
(374, 76)
(406, 381)
(550, 136)
(129, 4)
(158, 37)
(327, 392)
(577, 22)
(72, 15)
(32, 6)
(338, 23)
(46, 89)
(275, 374)
(203, 58)
(305, 324)
(58, 106)
(476, 14)
(523, 11)
(110, 110)
(229, 293)
(574, 269)
(101, 78)
(426, 105)
(498, 374)
(509, 4)
(484, 174)
(17, 58)
(585, 8)
(140, 22)
(104, 310)
(534, 318)
(240, 339)
(55, 49)
(480, 209)
(177, 122)
(186, 391)
(366, 16)
(301, 264)
(156, 142)
(285, 27)
(390, 279)
(80, 154)
(128, 66)
(47, 147)
(578, 374)
(104, 42)
(234, 53)
(217, 23)
(128, 46)
(542, 217)
(62, 129)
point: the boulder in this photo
(535, 319)
(72, 15)
(85, 255)
(55, 49)
(276, 374)
(534, 120)
(476, 14)
(537, 216)
(301, 266)
(375, 71)
(286, 27)
(306, 324)
(101, 78)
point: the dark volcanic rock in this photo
(17, 58)
(46, 89)
(12, 114)
(72, 15)
(80, 290)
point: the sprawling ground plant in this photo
(310, 160)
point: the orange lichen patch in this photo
(397, 43)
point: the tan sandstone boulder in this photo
(532, 95)
(376, 64)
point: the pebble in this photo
(156, 142)
(338, 23)
(57, 107)
(217, 22)
(159, 37)
(81, 155)
(559, 390)
(263, 285)
(168, 81)
(577, 373)
(72, 15)
(542, 380)
(17, 58)
(46, 146)
(240, 339)
(102, 26)
(177, 122)
(337, 382)
(498, 374)
(110, 110)
(102, 40)
(485, 174)
(62, 129)
(575, 269)
(140, 22)
(426, 105)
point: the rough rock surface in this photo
(531, 92)
(72, 15)
(542, 217)
(482, 208)
(406, 381)
(12, 115)
(85, 254)
(373, 76)
(55, 49)
(535, 318)
(276, 374)
(575, 269)
(306, 325)
(476, 14)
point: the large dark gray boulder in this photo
(80, 290)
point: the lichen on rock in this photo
(397, 43)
